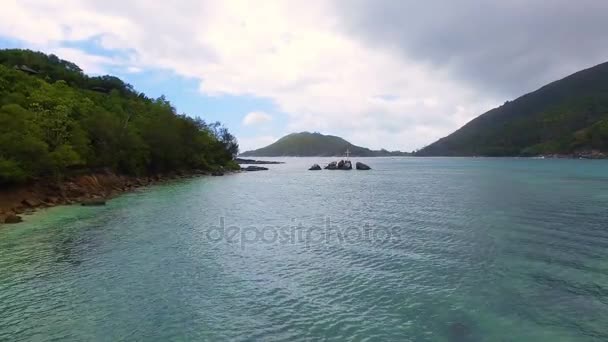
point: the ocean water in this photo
(417, 249)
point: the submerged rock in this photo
(459, 332)
(254, 168)
(12, 218)
(361, 166)
(93, 203)
(315, 167)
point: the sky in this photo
(394, 74)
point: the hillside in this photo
(56, 121)
(307, 144)
(564, 117)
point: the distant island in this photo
(568, 118)
(306, 144)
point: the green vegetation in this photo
(55, 120)
(567, 116)
(307, 144)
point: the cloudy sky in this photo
(381, 73)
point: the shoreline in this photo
(88, 189)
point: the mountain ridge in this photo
(566, 116)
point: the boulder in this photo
(361, 166)
(31, 202)
(12, 218)
(52, 200)
(217, 173)
(254, 168)
(345, 165)
(93, 203)
(332, 166)
(315, 167)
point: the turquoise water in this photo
(432, 249)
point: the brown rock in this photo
(52, 200)
(94, 202)
(31, 202)
(12, 218)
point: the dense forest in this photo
(306, 144)
(55, 120)
(569, 116)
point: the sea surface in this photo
(417, 249)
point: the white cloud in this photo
(254, 118)
(91, 64)
(252, 143)
(287, 51)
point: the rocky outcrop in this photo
(332, 166)
(254, 168)
(339, 165)
(315, 167)
(361, 166)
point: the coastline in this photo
(93, 188)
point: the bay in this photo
(416, 249)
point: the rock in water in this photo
(315, 167)
(341, 165)
(459, 332)
(345, 165)
(12, 218)
(217, 173)
(93, 203)
(332, 166)
(361, 166)
(254, 168)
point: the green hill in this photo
(55, 120)
(564, 117)
(307, 144)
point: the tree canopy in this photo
(57, 120)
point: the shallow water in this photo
(434, 249)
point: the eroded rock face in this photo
(315, 167)
(361, 166)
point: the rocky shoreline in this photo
(91, 189)
(256, 162)
(578, 155)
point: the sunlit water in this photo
(414, 250)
